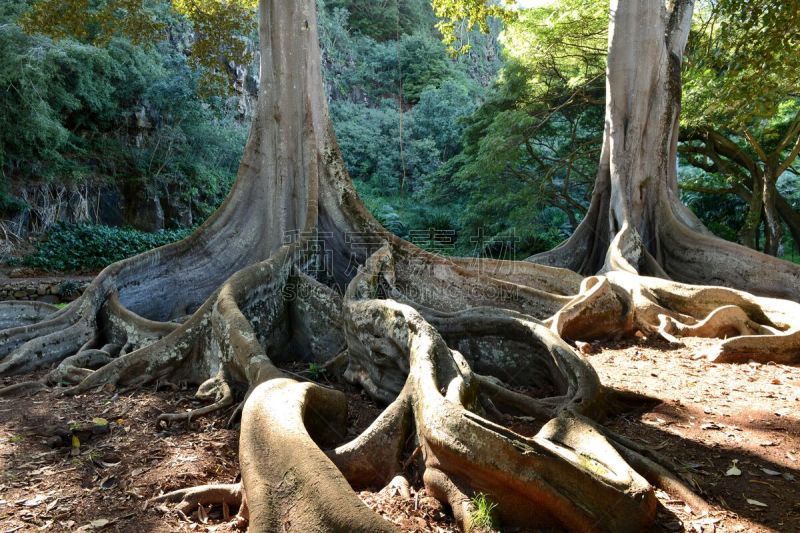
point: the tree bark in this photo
(636, 222)
(293, 268)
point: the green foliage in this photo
(220, 28)
(423, 64)
(316, 371)
(92, 247)
(460, 16)
(743, 61)
(482, 512)
(530, 151)
(723, 215)
(70, 114)
(385, 19)
(94, 21)
(395, 147)
(741, 106)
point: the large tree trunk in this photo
(636, 221)
(748, 234)
(293, 268)
(773, 226)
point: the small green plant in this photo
(482, 517)
(16, 438)
(68, 288)
(316, 371)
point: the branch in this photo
(691, 187)
(791, 133)
(719, 144)
(789, 159)
(756, 146)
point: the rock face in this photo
(144, 212)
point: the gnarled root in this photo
(567, 475)
(373, 458)
(288, 480)
(216, 389)
(29, 387)
(16, 313)
(622, 303)
(189, 499)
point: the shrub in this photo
(86, 247)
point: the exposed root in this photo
(30, 387)
(14, 314)
(781, 349)
(41, 352)
(514, 402)
(188, 499)
(76, 368)
(444, 488)
(216, 389)
(288, 480)
(398, 486)
(454, 346)
(567, 475)
(373, 458)
(621, 304)
(663, 478)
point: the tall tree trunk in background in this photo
(636, 222)
(782, 208)
(748, 234)
(773, 225)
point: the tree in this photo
(556, 56)
(743, 119)
(111, 115)
(442, 341)
(533, 144)
(221, 28)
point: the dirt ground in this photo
(733, 428)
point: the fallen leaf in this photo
(756, 503)
(36, 500)
(769, 472)
(100, 523)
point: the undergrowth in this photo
(87, 247)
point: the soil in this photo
(732, 428)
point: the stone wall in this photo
(47, 290)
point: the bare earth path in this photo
(713, 418)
